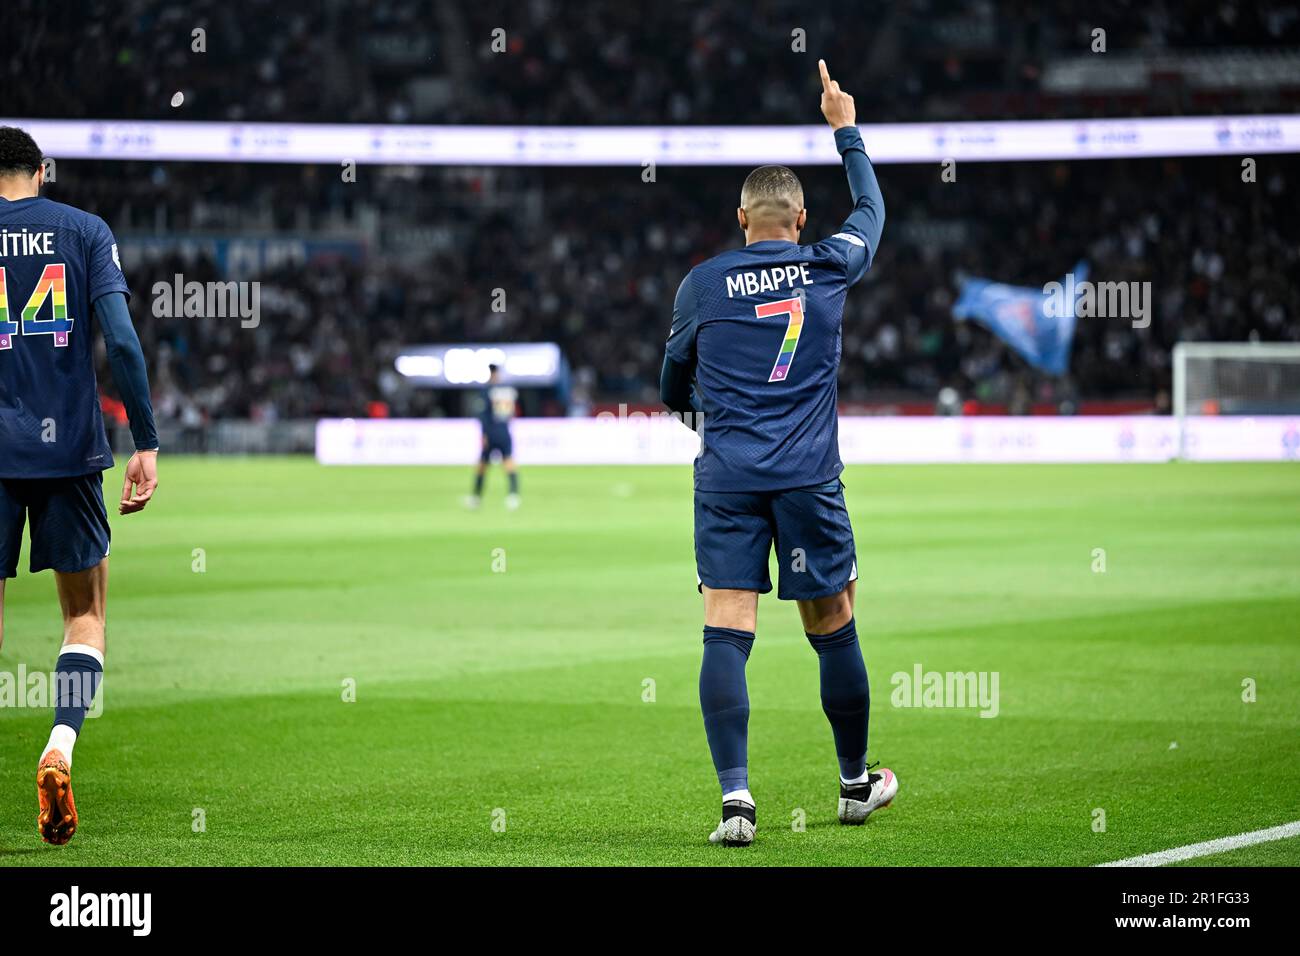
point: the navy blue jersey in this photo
(497, 411)
(498, 408)
(761, 327)
(55, 261)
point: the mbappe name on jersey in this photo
(767, 280)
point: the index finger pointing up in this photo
(826, 77)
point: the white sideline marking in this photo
(1193, 850)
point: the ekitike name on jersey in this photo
(767, 280)
(133, 910)
(25, 243)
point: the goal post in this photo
(1234, 378)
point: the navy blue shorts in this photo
(498, 441)
(69, 526)
(734, 533)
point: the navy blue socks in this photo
(725, 703)
(77, 676)
(724, 700)
(846, 696)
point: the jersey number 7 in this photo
(793, 308)
(51, 286)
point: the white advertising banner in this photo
(806, 145)
(660, 440)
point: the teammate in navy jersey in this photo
(753, 358)
(58, 266)
(499, 402)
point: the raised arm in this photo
(867, 221)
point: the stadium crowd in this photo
(592, 262)
(591, 259)
(584, 61)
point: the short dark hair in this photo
(493, 368)
(772, 192)
(18, 152)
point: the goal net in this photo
(1234, 378)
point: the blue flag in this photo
(1037, 323)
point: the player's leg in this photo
(83, 597)
(507, 448)
(80, 667)
(480, 473)
(512, 476)
(819, 571)
(845, 692)
(732, 541)
(70, 535)
(729, 620)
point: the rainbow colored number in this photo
(52, 286)
(784, 358)
(7, 328)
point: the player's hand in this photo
(141, 480)
(837, 106)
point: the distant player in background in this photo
(753, 357)
(58, 266)
(499, 405)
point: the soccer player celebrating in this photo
(753, 358)
(498, 409)
(56, 265)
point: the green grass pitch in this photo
(501, 663)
